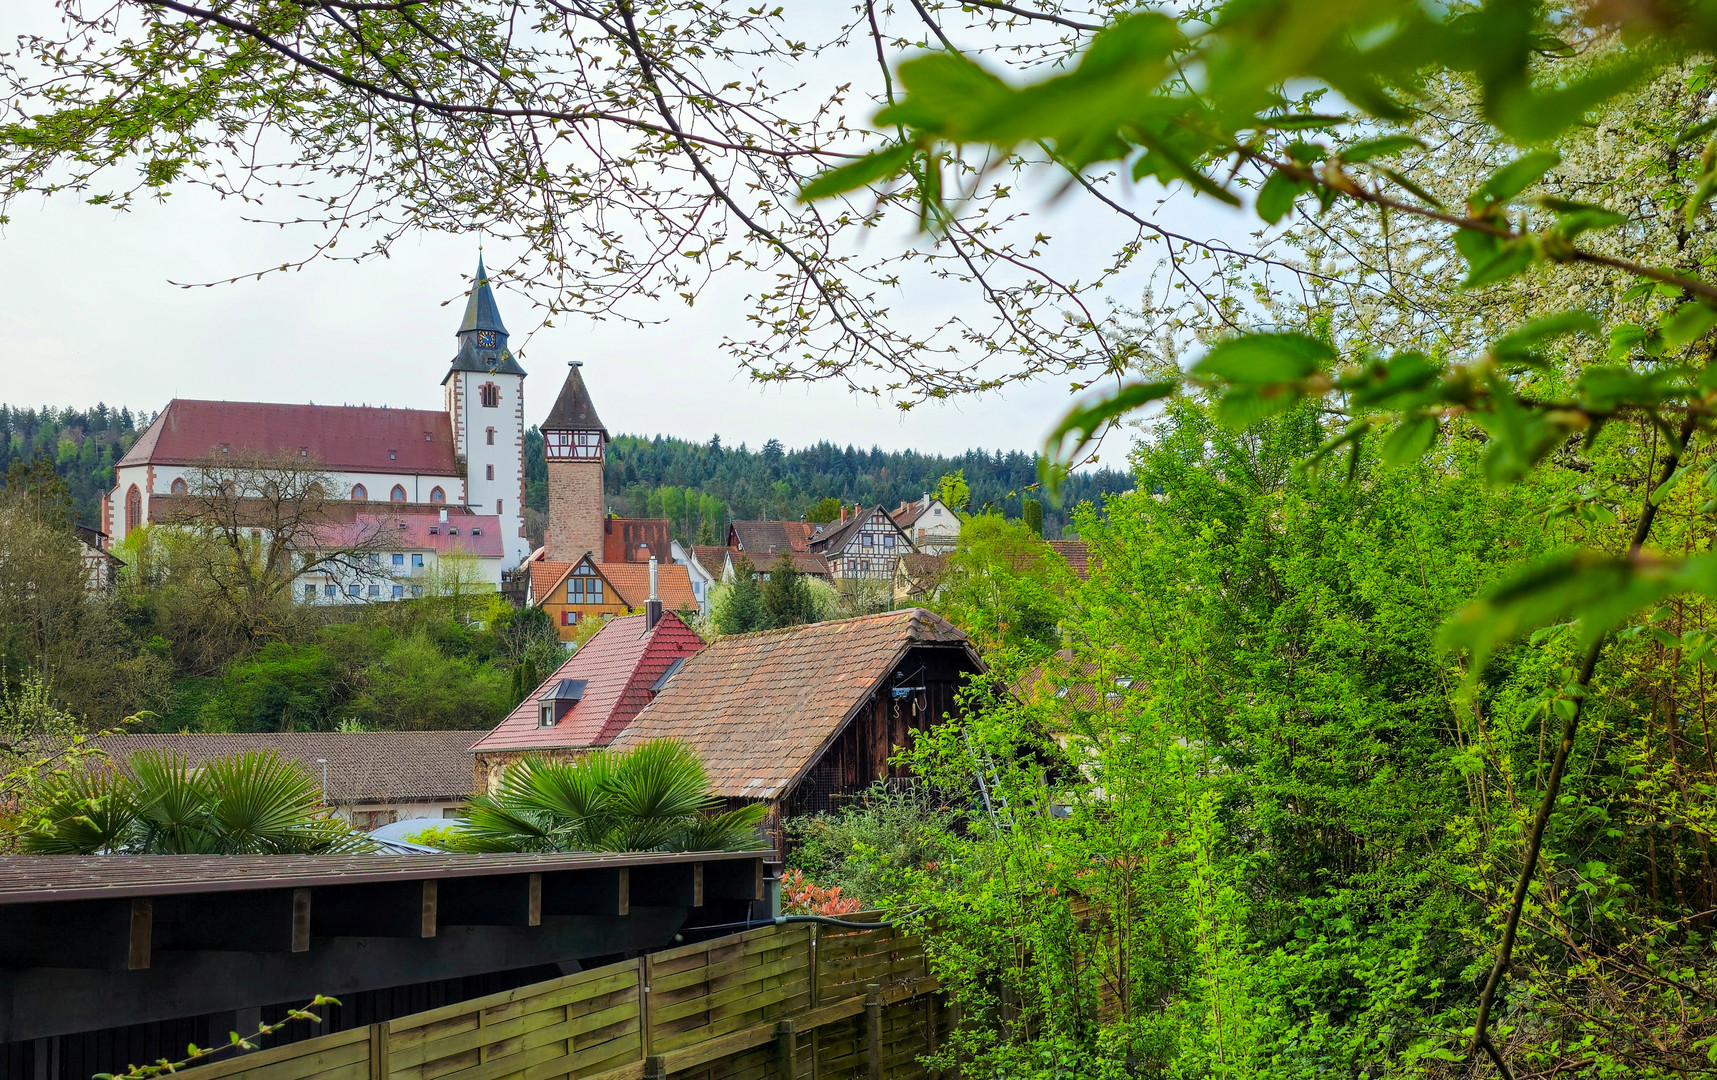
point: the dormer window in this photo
(393, 455)
(545, 717)
(558, 700)
(435, 530)
(476, 532)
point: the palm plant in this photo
(249, 804)
(654, 797)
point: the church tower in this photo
(574, 441)
(485, 390)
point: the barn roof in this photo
(618, 666)
(760, 708)
(363, 767)
(348, 438)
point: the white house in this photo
(929, 523)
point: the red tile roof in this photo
(619, 665)
(480, 534)
(363, 767)
(908, 512)
(632, 582)
(760, 708)
(341, 437)
(544, 577)
(622, 538)
(1077, 554)
(757, 538)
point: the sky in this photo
(91, 312)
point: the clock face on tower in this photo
(485, 339)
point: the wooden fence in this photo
(800, 1001)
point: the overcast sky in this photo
(90, 313)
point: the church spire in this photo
(482, 335)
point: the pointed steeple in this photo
(480, 310)
(482, 335)
(573, 409)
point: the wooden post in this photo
(655, 1068)
(953, 1071)
(142, 927)
(300, 920)
(644, 1010)
(787, 1049)
(428, 926)
(873, 1028)
(534, 916)
(379, 1051)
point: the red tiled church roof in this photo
(759, 708)
(341, 437)
(619, 665)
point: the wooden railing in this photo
(783, 1002)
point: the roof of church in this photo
(479, 534)
(572, 409)
(345, 438)
(481, 313)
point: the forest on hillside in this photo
(83, 444)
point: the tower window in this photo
(491, 435)
(498, 509)
(488, 472)
(436, 495)
(359, 494)
(398, 493)
(490, 395)
(133, 508)
(178, 487)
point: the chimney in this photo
(444, 516)
(652, 606)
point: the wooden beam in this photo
(587, 892)
(873, 1029)
(384, 909)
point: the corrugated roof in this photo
(28, 879)
(758, 708)
(352, 438)
(618, 664)
(573, 410)
(363, 767)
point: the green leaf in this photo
(1525, 340)
(1518, 175)
(1382, 146)
(1624, 339)
(1087, 420)
(1476, 247)
(1574, 218)
(1661, 492)
(1264, 358)
(1395, 384)
(1511, 258)
(1687, 323)
(1277, 196)
(1410, 439)
(1406, 184)
(856, 174)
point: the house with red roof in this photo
(593, 696)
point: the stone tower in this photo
(574, 441)
(485, 390)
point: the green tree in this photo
(1031, 513)
(824, 511)
(786, 595)
(652, 797)
(249, 804)
(1003, 586)
(952, 490)
(736, 606)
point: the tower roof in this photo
(572, 409)
(480, 310)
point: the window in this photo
(330, 590)
(545, 717)
(398, 493)
(417, 590)
(584, 586)
(937, 511)
(491, 436)
(398, 591)
(490, 395)
(573, 444)
(488, 472)
(498, 506)
(309, 592)
(888, 541)
(568, 618)
(436, 495)
(133, 508)
(178, 487)
(417, 562)
(476, 532)
(375, 590)
(359, 494)
(399, 560)
(351, 590)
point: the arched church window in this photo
(398, 493)
(133, 508)
(437, 495)
(490, 395)
(178, 486)
(359, 494)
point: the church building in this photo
(444, 479)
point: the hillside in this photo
(83, 443)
